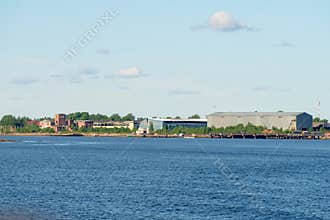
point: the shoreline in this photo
(203, 136)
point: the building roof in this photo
(178, 120)
(242, 114)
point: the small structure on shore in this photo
(4, 140)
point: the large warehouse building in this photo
(298, 121)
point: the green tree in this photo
(98, 117)
(317, 119)
(151, 127)
(115, 117)
(8, 121)
(195, 116)
(78, 116)
(128, 117)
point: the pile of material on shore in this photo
(4, 140)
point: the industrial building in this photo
(160, 123)
(294, 121)
(85, 123)
(317, 126)
(112, 124)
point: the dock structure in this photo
(269, 136)
(310, 136)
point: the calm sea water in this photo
(129, 178)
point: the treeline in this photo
(248, 129)
(195, 116)
(10, 123)
(100, 117)
(317, 119)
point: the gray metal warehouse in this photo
(298, 121)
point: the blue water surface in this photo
(132, 178)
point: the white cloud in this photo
(223, 21)
(132, 72)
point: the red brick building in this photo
(60, 120)
(85, 124)
(33, 122)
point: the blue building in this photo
(160, 123)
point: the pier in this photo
(269, 136)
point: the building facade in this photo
(46, 124)
(60, 120)
(317, 126)
(159, 124)
(33, 122)
(293, 121)
(112, 124)
(85, 124)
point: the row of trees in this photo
(195, 116)
(317, 119)
(248, 129)
(10, 123)
(100, 117)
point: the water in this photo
(129, 178)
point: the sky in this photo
(164, 58)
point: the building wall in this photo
(85, 124)
(159, 124)
(281, 121)
(46, 124)
(127, 124)
(170, 125)
(60, 120)
(33, 122)
(304, 121)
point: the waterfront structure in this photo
(317, 126)
(60, 120)
(85, 124)
(293, 121)
(33, 122)
(112, 124)
(160, 123)
(327, 135)
(46, 124)
(61, 123)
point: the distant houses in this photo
(62, 123)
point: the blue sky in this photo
(160, 58)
